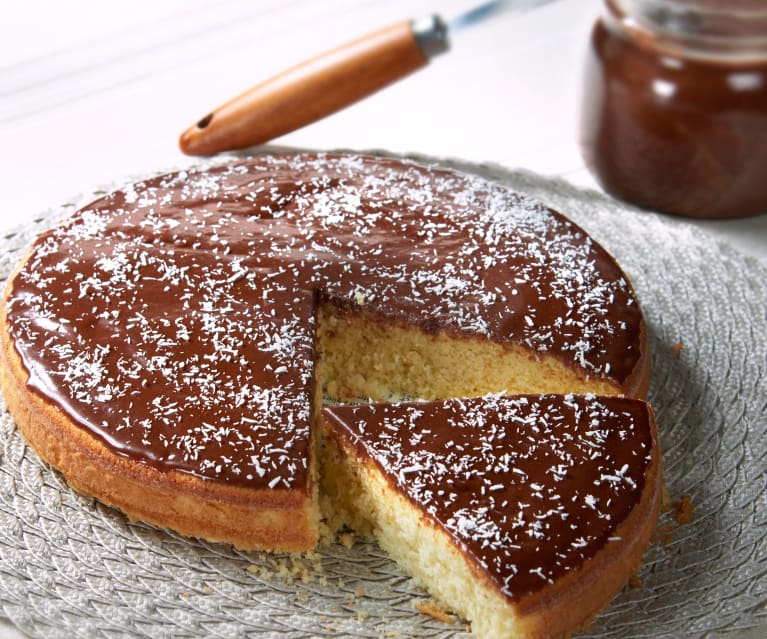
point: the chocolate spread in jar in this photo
(675, 106)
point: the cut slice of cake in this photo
(523, 514)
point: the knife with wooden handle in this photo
(316, 88)
(329, 82)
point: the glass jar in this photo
(674, 111)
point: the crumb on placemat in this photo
(681, 512)
(347, 539)
(432, 609)
(304, 567)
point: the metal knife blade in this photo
(432, 33)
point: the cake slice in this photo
(524, 514)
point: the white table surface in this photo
(94, 92)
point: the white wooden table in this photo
(92, 92)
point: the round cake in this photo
(169, 347)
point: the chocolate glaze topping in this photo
(174, 318)
(528, 487)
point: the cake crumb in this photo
(327, 534)
(347, 539)
(665, 499)
(683, 510)
(676, 350)
(303, 567)
(663, 535)
(433, 610)
(681, 514)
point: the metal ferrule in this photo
(430, 35)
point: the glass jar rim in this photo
(734, 29)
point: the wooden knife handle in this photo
(308, 91)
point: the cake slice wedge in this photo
(522, 514)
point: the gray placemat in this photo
(70, 567)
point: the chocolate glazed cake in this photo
(168, 347)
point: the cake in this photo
(524, 514)
(169, 347)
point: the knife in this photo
(332, 80)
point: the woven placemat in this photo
(70, 567)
